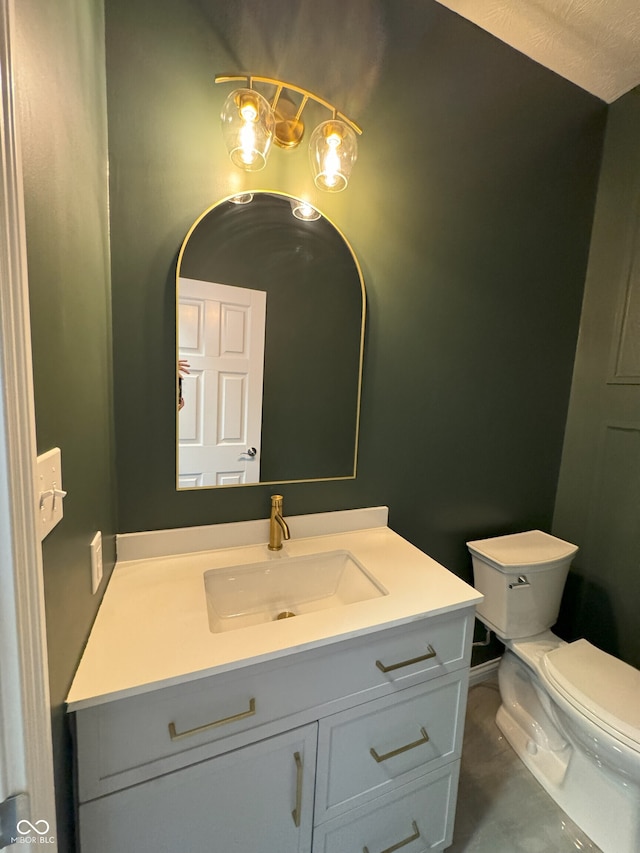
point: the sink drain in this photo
(286, 614)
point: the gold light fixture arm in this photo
(291, 87)
(276, 97)
(303, 104)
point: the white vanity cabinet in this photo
(353, 746)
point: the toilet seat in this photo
(598, 685)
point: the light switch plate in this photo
(96, 562)
(49, 492)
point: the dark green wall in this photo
(470, 211)
(60, 90)
(598, 500)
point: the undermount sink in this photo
(281, 587)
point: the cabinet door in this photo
(258, 799)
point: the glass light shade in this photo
(247, 127)
(333, 149)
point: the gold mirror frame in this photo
(295, 445)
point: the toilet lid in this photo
(530, 548)
(605, 688)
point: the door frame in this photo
(26, 753)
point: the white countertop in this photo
(152, 628)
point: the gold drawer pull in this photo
(401, 749)
(403, 843)
(174, 735)
(295, 814)
(430, 654)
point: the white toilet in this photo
(570, 711)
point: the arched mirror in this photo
(271, 309)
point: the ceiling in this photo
(593, 43)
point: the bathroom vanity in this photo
(337, 730)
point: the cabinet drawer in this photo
(127, 741)
(368, 750)
(416, 818)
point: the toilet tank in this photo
(522, 577)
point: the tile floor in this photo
(501, 807)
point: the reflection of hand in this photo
(183, 369)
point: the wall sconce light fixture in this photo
(250, 124)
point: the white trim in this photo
(483, 671)
(25, 719)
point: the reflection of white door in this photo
(221, 334)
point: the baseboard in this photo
(483, 671)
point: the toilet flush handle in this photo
(521, 583)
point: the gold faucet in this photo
(278, 527)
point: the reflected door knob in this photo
(251, 452)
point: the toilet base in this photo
(603, 806)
